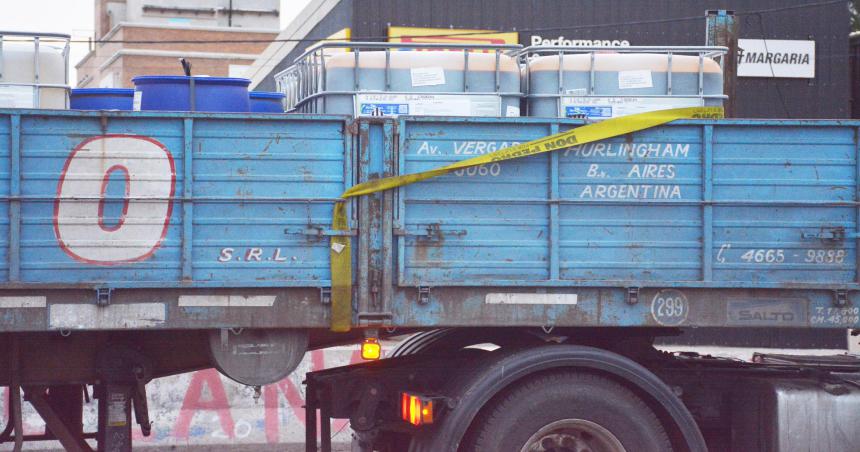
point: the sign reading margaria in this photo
(776, 58)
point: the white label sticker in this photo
(138, 97)
(530, 298)
(634, 79)
(597, 107)
(16, 96)
(428, 105)
(117, 414)
(512, 112)
(337, 247)
(427, 76)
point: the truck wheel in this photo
(568, 412)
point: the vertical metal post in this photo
(115, 418)
(355, 70)
(390, 149)
(707, 207)
(498, 70)
(325, 421)
(388, 69)
(856, 199)
(554, 225)
(669, 75)
(559, 110)
(15, 394)
(1, 58)
(187, 201)
(14, 197)
(36, 73)
(591, 75)
(310, 416)
(722, 30)
(465, 70)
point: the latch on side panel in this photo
(632, 295)
(103, 296)
(423, 295)
(840, 298)
(319, 231)
(431, 231)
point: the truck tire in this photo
(569, 411)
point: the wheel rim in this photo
(573, 435)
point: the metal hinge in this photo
(325, 295)
(423, 295)
(632, 295)
(103, 296)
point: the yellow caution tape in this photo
(341, 260)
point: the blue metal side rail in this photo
(685, 224)
(124, 220)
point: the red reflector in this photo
(404, 406)
(416, 410)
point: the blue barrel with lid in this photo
(266, 102)
(101, 99)
(173, 93)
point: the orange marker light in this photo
(371, 349)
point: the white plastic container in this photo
(384, 79)
(604, 83)
(34, 70)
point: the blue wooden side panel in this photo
(694, 203)
(781, 183)
(260, 187)
(241, 210)
(480, 224)
(6, 144)
(629, 207)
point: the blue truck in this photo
(135, 245)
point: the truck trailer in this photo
(137, 245)
(533, 283)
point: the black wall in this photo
(663, 22)
(337, 19)
(855, 76)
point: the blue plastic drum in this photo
(101, 99)
(172, 93)
(266, 102)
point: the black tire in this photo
(511, 421)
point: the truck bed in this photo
(157, 220)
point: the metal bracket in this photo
(632, 295)
(423, 295)
(431, 230)
(325, 295)
(103, 296)
(840, 298)
(319, 231)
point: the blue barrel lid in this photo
(143, 79)
(266, 95)
(101, 91)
